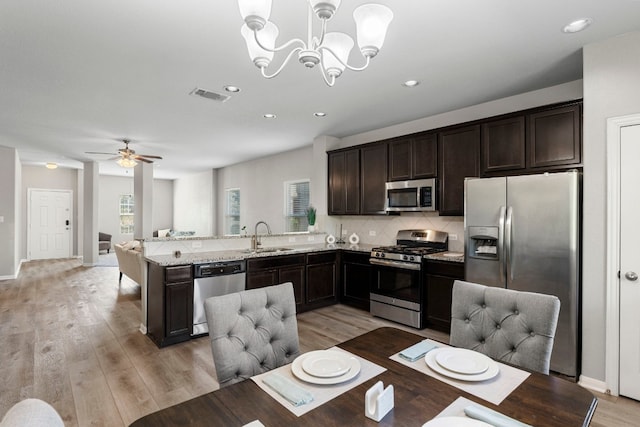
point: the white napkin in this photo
(492, 417)
(417, 351)
(288, 389)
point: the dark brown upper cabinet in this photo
(503, 145)
(459, 155)
(555, 137)
(413, 157)
(373, 164)
(344, 182)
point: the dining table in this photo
(539, 400)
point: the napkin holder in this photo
(378, 402)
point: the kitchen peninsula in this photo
(322, 274)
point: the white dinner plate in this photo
(298, 371)
(455, 422)
(326, 363)
(430, 359)
(463, 361)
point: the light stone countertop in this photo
(446, 256)
(233, 255)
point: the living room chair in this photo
(507, 325)
(104, 242)
(252, 331)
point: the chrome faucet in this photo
(255, 240)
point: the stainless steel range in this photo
(397, 291)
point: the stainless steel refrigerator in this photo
(523, 233)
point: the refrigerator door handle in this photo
(501, 253)
(507, 241)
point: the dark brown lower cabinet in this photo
(357, 275)
(169, 304)
(439, 284)
(313, 276)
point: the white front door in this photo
(49, 224)
(629, 262)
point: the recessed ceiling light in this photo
(319, 114)
(232, 89)
(577, 25)
(51, 165)
(269, 116)
(411, 83)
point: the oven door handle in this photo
(398, 264)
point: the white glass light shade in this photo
(340, 44)
(267, 36)
(127, 162)
(372, 21)
(255, 13)
(325, 9)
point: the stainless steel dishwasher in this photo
(211, 280)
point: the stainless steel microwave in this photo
(411, 196)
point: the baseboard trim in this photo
(593, 384)
(143, 329)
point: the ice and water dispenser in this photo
(482, 242)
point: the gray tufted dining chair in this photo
(252, 331)
(507, 325)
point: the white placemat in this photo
(494, 390)
(321, 393)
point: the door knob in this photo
(631, 275)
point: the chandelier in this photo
(330, 50)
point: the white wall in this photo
(261, 184)
(193, 201)
(611, 89)
(9, 247)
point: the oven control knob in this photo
(411, 258)
(404, 257)
(382, 255)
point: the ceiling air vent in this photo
(209, 95)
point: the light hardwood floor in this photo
(69, 335)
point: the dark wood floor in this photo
(69, 335)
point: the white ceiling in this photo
(79, 75)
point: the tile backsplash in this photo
(381, 230)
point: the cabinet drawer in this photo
(178, 273)
(445, 268)
(321, 258)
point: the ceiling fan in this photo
(126, 157)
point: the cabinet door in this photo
(295, 275)
(344, 182)
(400, 160)
(262, 278)
(425, 156)
(554, 137)
(321, 282)
(503, 145)
(357, 275)
(178, 309)
(374, 176)
(458, 151)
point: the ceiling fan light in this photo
(325, 9)
(340, 44)
(372, 22)
(127, 162)
(260, 57)
(255, 13)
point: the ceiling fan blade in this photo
(142, 159)
(98, 152)
(148, 156)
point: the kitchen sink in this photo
(266, 250)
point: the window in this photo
(232, 211)
(126, 213)
(296, 200)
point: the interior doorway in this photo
(49, 223)
(623, 257)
